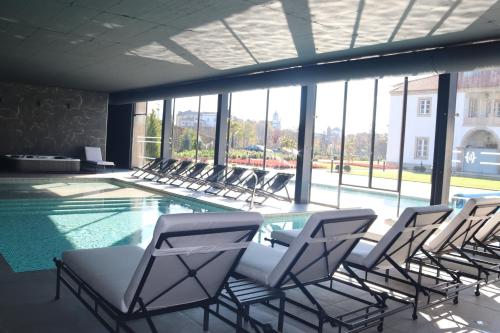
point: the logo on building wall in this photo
(470, 157)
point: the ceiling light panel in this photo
(264, 31)
(215, 45)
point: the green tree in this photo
(153, 132)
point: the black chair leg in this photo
(206, 315)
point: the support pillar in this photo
(305, 144)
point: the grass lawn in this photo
(482, 184)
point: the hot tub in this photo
(41, 163)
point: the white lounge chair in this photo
(392, 251)
(312, 257)
(451, 242)
(185, 265)
(93, 156)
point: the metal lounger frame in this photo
(263, 190)
(235, 176)
(198, 169)
(461, 255)
(372, 314)
(179, 169)
(148, 166)
(138, 308)
(216, 171)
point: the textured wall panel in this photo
(51, 121)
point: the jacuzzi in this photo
(42, 163)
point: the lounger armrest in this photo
(371, 236)
(336, 238)
(188, 250)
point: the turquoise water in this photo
(40, 219)
(35, 230)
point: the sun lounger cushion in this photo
(259, 262)
(108, 270)
(97, 267)
(369, 254)
(489, 229)
(456, 227)
(93, 155)
(301, 255)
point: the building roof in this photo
(466, 80)
(422, 84)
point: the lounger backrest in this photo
(489, 229)
(93, 154)
(164, 279)
(461, 228)
(197, 169)
(251, 182)
(153, 164)
(167, 165)
(183, 166)
(316, 253)
(407, 235)
(217, 173)
(235, 175)
(280, 182)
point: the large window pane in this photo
(327, 141)
(358, 131)
(386, 153)
(208, 121)
(476, 143)
(185, 127)
(282, 132)
(147, 135)
(419, 139)
(246, 134)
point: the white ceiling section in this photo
(113, 45)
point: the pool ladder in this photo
(250, 206)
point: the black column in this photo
(166, 139)
(305, 144)
(119, 136)
(443, 141)
(221, 129)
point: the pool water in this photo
(37, 229)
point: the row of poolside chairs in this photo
(192, 257)
(235, 182)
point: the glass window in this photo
(472, 107)
(358, 132)
(497, 108)
(208, 121)
(387, 140)
(282, 132)
(476, 142)
(246, 135)
(185, 127)
(424, 106)
(327, 143)
(422, 148)
(147, 132)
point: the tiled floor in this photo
(27, 305)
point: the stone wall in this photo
(51, 121)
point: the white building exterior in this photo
(477, 124)
(189, 119)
